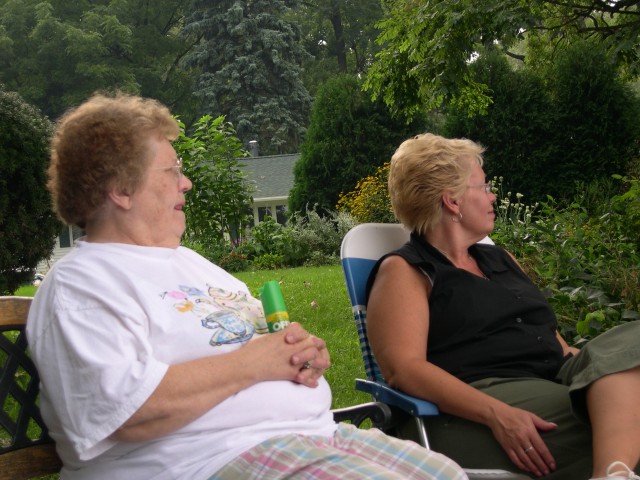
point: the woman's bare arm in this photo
(398, 328)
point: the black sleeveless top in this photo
(479, 328)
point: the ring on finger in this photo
(306, 365)
(528, 449)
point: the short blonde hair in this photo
(100, 144)
(422, 169)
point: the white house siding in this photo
(64, 244)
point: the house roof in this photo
(273, 174)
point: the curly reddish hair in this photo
(102, 143)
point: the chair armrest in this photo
(379, 414)
(385, 394)
(34, 461)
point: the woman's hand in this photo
(313, 361)
(517, 431)
(292, 354)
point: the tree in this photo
(349, 136)
(251, 60)
(340, 34)
(428, 46)
(595, 116)
(217, 206)
(515, 129)
(56, 53)
(548, 130)
(28, 226)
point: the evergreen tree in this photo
(28, 227)
(596, 119)
(250, 57)
(349, 137)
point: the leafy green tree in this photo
(56, 53)
(349, 136)
(28, 227)
(428, 45)
(217, 206)
(340, 34)
(251, 60)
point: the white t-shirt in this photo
(105, 325)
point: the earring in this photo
(457, 219)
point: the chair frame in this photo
(28, 454)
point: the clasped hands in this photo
(313, 358)
(292, 354)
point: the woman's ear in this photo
(450, 203)
(120, 197)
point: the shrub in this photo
(317, 236)
(217, 205)
(234, 261)
(28, 226)
(268, 261)
(348, 137)
(369, 202)
(269, 238)
(588, 266)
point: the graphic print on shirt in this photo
(233, 317)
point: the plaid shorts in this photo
(351, 454)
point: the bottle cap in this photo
(271, 297)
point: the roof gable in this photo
(272, 174)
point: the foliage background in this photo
(547, 132)
(27, 224)
(218, 203)
(348, 137)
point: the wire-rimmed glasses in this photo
(177, 167)
(487, 186)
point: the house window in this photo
(263, 212)
(68, 235)
(65, 237)
(281, 214)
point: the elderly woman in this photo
(477, 338)
(149, 357)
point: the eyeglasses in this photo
(177, 167)
(487, 186)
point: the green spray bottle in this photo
(275, 311)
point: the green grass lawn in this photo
(26, 291)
